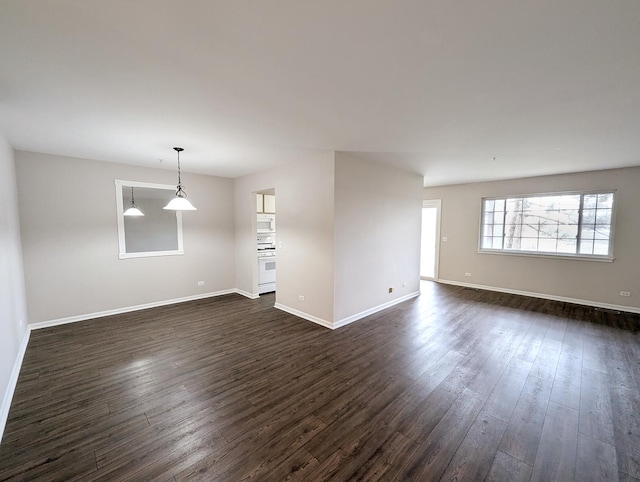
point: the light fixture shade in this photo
(133, 211)
(180, 204)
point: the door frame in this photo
(433, 203)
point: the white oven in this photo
(266, 223)
(266, 272)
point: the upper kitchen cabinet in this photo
(269, 203)
(266, 203)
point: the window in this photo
(567, 224)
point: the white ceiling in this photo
(437, 87)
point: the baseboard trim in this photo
(13, 381)
(544, 296)
(126, 309)
(345, 321)
(251, 296)
(375, 309)
(306, 316)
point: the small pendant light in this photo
(133, 209)
(180, 202)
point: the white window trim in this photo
(535, 254)
(122, 250)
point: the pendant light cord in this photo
(179, 192)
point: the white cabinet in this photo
(269, 203)
(266, 203)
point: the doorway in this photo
(429, 246)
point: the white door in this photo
(429, 252)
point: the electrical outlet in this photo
(300, 297)
(625, 293)
(404, 285)
(200, 283)
(444, 239)
(467, 275)
(391, 289)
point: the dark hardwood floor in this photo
(457, 384)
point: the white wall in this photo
(13, 312)
(70, 238)
(377, 234)
(304, 226)
(590, 281)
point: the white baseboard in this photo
(375, 309)
(126, 309)
(251, 296)
(544, 296)
(350, 319)
(306, 316)
(13, 381)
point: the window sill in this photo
(529, 254)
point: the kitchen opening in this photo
(266, 240)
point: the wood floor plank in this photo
(505, 467)
(596, 414)
(596, 460)
(435, 453)
(456, 384)
(556, 454)
(522, 437)
(475, 455)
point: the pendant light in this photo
(133, 209)
(180, 202)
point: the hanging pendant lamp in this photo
(133, 209)
(180, 202)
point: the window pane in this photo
(569, 216)
(488, 230)
(498, 230)
(588, 216)
(547, 245)
(529, 244)
(590, 201)
(601, 247)
(514, 204)
(605, 200)
(549, 231)
(488, 205)
(603, 216)
(488, 218)
(602, 232)
(486, 242)
(570, 202)
(529, 231)
(587, 232)
(586, 247)
(567, 245)
(499, 206)
(568, 231)
(497, 243)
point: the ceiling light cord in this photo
(179, 192)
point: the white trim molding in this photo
(13, 381)
(126, 309)
(251, 296)
(350, 319)
(544, 296)
(375, 309)
(302, 314)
